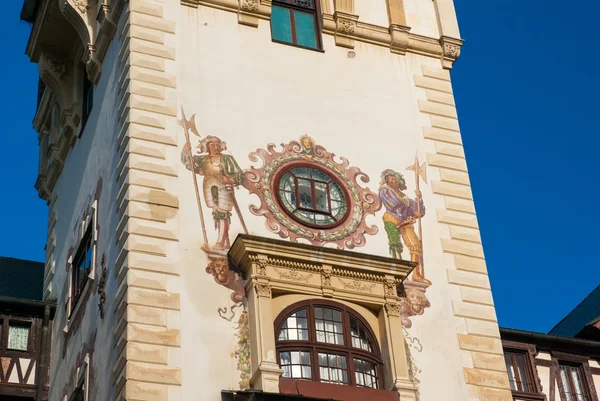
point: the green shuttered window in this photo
(295, 22)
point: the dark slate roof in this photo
(587, 312)
(22, 279)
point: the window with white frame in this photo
(83, 262)
(80, 393)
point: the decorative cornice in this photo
(396, 37)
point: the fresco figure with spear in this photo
(401, 215)
(221, 174)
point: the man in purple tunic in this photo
(399, 219)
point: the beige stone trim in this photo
(147, 233)
(472, 305)
(294, 271)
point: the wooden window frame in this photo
(288, 169)
(314, 347)
(316, 11)
(581, 361)
(6, 321)
(530, 351)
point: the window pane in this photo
(510, 370)
(17, 337)
(522, 372)
(305, 29)
(281, 26)
(333, 368)
(296, 364)
(295, 327)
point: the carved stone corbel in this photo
(450, 50)
(78, 14)
(399, 38)
(107, 29)
(345, 28)
(248, 12)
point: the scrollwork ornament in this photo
(346, 26)
(350, 233)
(357, 285)
(82, 6)
(58, 66)
(261, 267)
(263, 290)
(390, 287)
(102, 287)
(249, 5)
(451, 50)
(393, 309)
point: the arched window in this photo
(327, 342)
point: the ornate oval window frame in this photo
(361, 201)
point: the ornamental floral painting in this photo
(306, 194)
(401, 215)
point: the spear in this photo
(186, 127)
(420, 172)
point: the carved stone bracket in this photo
(248, 12)
(450, 50)
(345, 28)
(399, 38)
(263, 290)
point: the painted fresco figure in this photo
(221, 173)
(399, 219)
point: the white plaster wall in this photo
(94, 155)
(372, 12)
(251, 92)
(421, 17)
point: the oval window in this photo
(312, 196)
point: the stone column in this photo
(265, 370)
(345, 23)
(449, 33)
(397, 28)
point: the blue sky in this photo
(526, 88)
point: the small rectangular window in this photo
(295, 22)
(82, 266)
(18, 337)
(519, 371)
(573, 382)
(87, 99)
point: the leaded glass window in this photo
(296, 364)
(295, 22)
(18, 337)
(573, 382)
(295, 327)
(312, 197)
(327, 342)
(333, 368)
(366, 373)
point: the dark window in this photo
(88, 99)
(573, 382)
(327, 342)
(312, 196)
(519, 372)
(295, 22)
(82, 266)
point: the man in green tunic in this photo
(221, 173)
